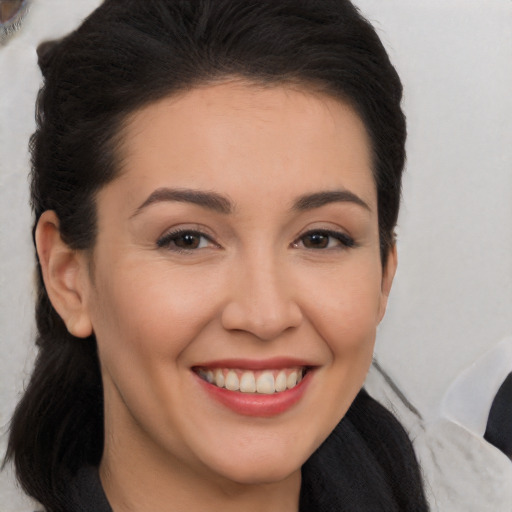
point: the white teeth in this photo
(265, 383)
(291, 381)
(281, 381)
(219, 378)
(232, 382)
(248, 383)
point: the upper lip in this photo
(274, 363)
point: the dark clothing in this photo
(86, 493)
(499, 423)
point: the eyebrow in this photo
(208, 200)
(318, 199)
(221, 204)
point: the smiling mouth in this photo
(264, 382)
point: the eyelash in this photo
(169, 240)
(345, 241)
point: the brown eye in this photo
(316, 241)
(184, 241)
(322, 239)
(188, 241)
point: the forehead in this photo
(236, 135)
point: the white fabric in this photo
(468, 400)
(462, 471)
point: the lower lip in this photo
(255, 404)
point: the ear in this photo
(65, 275)
(388, 274)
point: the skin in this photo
(255, 287)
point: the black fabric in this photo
(86, 493)
(350, 486)
(499, 423)
(367, 464)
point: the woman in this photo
(215, 188)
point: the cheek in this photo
(154, 314)
(346, 309)
(347, 315)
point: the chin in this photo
(259, 468)
(262, 474)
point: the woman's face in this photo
(239, 247)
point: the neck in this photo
(134, 487)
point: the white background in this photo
(452, 298)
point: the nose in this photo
(261, 301)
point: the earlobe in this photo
(388, 274)
(64, 274)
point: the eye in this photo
(185, 240)
(324, 239)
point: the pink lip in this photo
(275, 363)
(253, 404)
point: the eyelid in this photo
(166, 239)
(346, 241)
